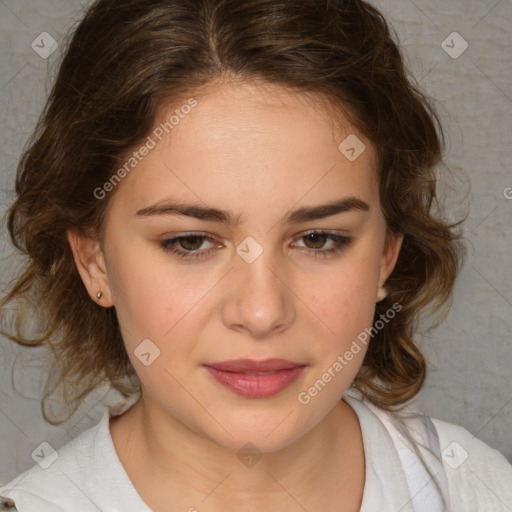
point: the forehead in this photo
(245, 141)
(240, 108)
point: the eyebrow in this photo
(303, 214)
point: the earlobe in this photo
(389, 258)
(382, 294)
(90, 264)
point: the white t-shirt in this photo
(87, 475)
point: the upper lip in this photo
(251, 365)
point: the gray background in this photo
(470, 355)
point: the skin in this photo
(259, 151)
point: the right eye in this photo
(187, 246)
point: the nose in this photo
(259, 300)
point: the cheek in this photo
(345, 298)
(346, 304)
(154, 298)
(153, 305)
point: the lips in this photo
(256, 379)
(252, 366)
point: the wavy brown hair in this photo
(126, 59)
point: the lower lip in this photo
(256, 386)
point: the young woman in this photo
(227, 211)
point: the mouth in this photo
(256, 379)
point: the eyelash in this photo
(169, 245)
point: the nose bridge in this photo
(260, 273)
(258, 269)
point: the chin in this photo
(259, 432)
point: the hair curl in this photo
(124, 60)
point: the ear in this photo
(90, 263)
(390, 254)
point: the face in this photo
(255, 270)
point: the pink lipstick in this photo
(256, 379)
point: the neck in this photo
(162, 453)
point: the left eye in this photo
(189, 245)
(319, 238)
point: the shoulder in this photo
(57, 481)
(480, 478)
(470, 475)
